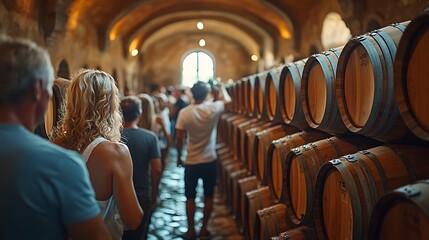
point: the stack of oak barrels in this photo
(334, 146)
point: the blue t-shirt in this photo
(43, 187)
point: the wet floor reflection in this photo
(169, 219)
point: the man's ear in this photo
(37, 90)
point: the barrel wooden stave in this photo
(255, 200)
(344, 210)
(410, 74)
(271, 221)
(299, 233)
(365, 85)
(402, 214)
(318, 92)
(261, 145)
(301, 167)
(277, 153)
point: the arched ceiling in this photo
(138, 23)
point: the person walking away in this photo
(199, 122)
(154, 122)
(164, 114)
(144, 149)
(45, 189)
(92, 125)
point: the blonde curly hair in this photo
(92, 110)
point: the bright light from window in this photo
(202, 42)
(254, 58)
(200, 25)
(197, 66)
(134, 52)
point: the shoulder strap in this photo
(88, 150)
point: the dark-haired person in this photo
(144, 149)
(45, 189)
(198, 121)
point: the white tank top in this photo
(109, 210)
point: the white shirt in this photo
(200, 123)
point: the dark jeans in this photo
(141, 232)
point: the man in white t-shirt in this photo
(199, 122)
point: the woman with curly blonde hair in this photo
(92, 126)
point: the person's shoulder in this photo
(187, 108)
(112, 147)
(57, 156)
(147, 133)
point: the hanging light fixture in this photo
(134, 52)
(202, 42)
(200, 25)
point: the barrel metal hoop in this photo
(351, 158)
(380, 170)
(426, 181)
(365, 187)
(306, 147)
(368, 173)
(335, 161)
(297, 151)
(336, 147)
(409, 191)
(361, 38)
(408, 166)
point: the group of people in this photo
(98, 177)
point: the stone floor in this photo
(169, 219)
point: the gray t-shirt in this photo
(143, 146)
(200, 123)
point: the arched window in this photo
(197, 66)
(335, 33)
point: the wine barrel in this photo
(411, 85)
(241, 134)
(271, 222)
(230, 162)
(290, 95)
(222, 132)
(255, 200)
(277, 152)
(235, 144)
(402, 214)
(262, 142)
(319, 101)
(259, 96)
(229, 122)
(301, 167)
(53, 113)
(299, 233)
(272, 95)
(244, 92)
(348, 188)
(235, 177)
(249, 142)
(245, 185)
(250, 96)
(365, 85)
(239, 98)
(228, 169)
(234, 98)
